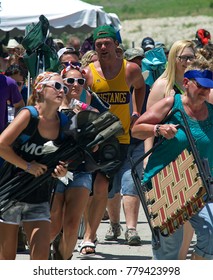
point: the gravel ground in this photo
(165, 30)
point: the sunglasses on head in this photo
(56, 85)
(71, 81)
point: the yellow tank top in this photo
(116, 93)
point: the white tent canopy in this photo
(63, 15)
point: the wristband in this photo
(157, 130)
(28, 167)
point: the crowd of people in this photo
(50, 216)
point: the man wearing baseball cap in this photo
(134, 54)
(111, 78)
(147, 44)
(68, 55)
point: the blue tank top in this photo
(202, 132)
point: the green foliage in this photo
(136, 9)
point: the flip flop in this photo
(87, 244)
(82, 242)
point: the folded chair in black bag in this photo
(178, 191)
(92, 129)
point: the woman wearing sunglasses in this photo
(70, 200)
(33, 211)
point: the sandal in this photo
(89, 248)
(82, 242)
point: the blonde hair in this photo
(170, 72)
(37, 87)
(87, 58)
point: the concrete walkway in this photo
(118, 250)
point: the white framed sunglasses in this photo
(56, 85)
(71, 81)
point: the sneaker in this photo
(113, 232)
(132, 237)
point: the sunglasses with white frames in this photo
(71, 81)
(56, 85)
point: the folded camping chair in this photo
(154, 62)
(90, 129)
(177, 192)
(40, 54)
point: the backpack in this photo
(203, 36)
(7, 168)
(30, 130)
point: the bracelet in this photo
(136, 114)
(157, 130)
(28, 167)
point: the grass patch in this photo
(141, 9)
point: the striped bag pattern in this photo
(177, 194)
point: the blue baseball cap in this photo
(204, 78)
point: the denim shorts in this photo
(123, 182)
(202, 223)
(26, 212)
(127, 183)
(170, 246)
(80, 179)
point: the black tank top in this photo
(32, 150)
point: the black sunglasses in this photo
(185, 58)
(19, 84)
(71, 81)
(198, 85)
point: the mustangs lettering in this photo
(116, 93)
(119, 106)
(115, 97)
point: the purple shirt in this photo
(8, 91)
